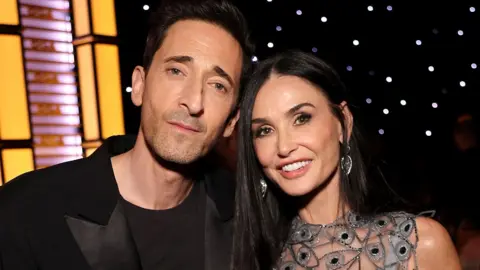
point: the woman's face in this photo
(296, 136)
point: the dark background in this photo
(417, 167)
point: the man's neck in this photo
(145, 182)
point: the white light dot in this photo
(381, 131)
(356, 42)
(129, 89)
(349, 68)
(254, 59)
(279, 28)
(324, 19)
(462, 84)
(472, 9)
(434, 105)
(368, 100)
(389, 79)
(428, 133)
(389, 8)
(403, 102)
(299, 12)
(146, 7)
(269, 0)
(370, 8)
(386, 111)
(418, 42)
(314, 49)
(474, 66)
(435, 31)
(431, 68)
(460, 32)
(270, 44)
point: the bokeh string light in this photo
(412, 54)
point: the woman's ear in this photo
(348, 120)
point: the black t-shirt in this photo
(170, 239)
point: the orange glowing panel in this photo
(88, 92)
(109, 90)
(9, 12)
(14, 118)
(16, 162)
(103, 17)
(81, 17)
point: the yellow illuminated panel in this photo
(87, 92)
(109, 90)
(80, 15)
(103, 17)
(16, 162)
(8, 12)
(14, 120)
(89, 151)
(1, 181)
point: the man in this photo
(144, 203)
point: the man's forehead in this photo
(205, 43)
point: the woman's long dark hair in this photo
(262, 224)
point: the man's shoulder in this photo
(32, 186)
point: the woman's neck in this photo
(325, 206)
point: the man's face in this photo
(189, 92)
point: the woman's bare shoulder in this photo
(435, 248)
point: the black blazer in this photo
(69, 217)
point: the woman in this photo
(302, 184)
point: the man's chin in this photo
(178, 156)
(181, 160)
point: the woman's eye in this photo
(264, 131)
(302, 119)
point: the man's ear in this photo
(231, 125)
(138, 85)
(348, 118)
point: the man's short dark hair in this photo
(219, 12)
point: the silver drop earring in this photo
(346, 162)
(263, 186)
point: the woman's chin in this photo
(298, 191)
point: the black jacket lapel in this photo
(95, 216)
(108, 247)
(104, 237)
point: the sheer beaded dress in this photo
(386, 241)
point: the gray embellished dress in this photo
(387, 241)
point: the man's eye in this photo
(175, 71)
(220, 87)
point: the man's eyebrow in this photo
(185, 59)
(179, 59)
(222, 73)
